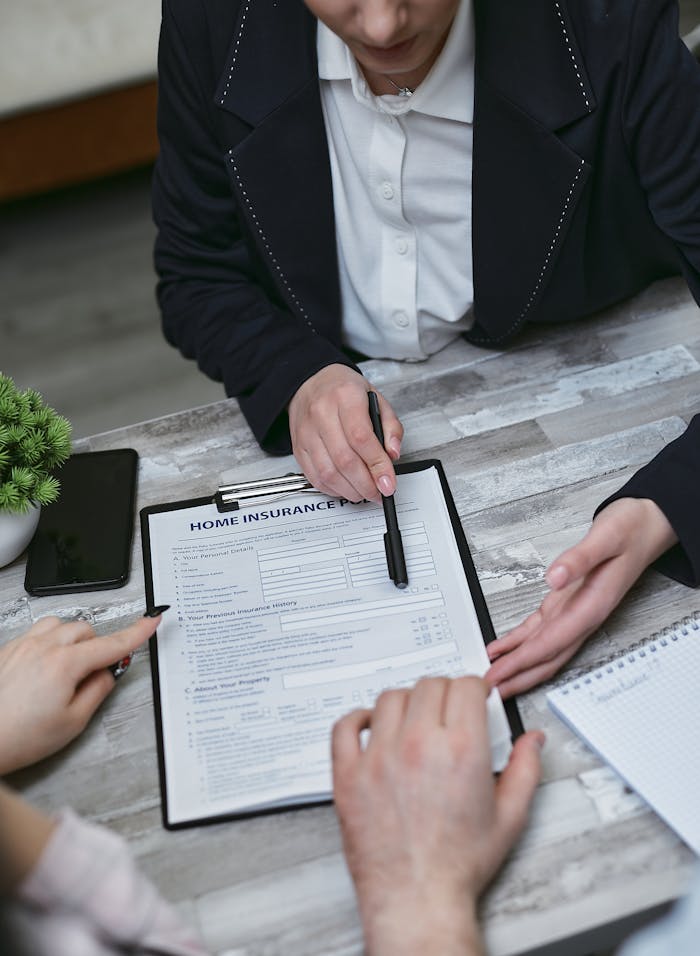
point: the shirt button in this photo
(400, 319)
(387, 191)
(401, 246)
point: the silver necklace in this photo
(400, 90)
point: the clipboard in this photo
(235, 501)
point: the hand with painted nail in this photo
(52, 680)
(425, 824)
(587, 582)
(333, 439)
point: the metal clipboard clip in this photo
(230, 497)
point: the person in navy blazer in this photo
(586, 188)
(586, 180)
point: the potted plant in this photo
(34, 440)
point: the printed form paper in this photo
(284, 619)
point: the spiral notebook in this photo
(640, 712)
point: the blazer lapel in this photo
(280, 162)
(529, 82)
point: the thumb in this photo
(90, 694)
(516, 787)
(595, 548)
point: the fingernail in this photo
(539, 739)
(385, 485)
(393, 446)
(155, 611)
(121, 667)
(557, 576)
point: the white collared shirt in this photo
(401, 170)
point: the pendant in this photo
(400, 90)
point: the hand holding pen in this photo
(52, 680)
(332, 438)
(393, 545)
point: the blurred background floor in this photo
(78, 316)
(689, 15)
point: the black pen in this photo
(395, 560)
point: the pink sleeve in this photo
(87, 889)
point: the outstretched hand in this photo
(52, 680)
(333, 439)
(425, 824)
(586, 582)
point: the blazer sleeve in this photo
(213, 303)
(672, 481)
(661, 126)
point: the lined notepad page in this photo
(641, 713)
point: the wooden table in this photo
(532, 439)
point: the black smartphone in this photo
(83, 540)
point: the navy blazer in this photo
(585, 180)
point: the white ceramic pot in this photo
(16, 532)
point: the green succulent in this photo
(34, 440)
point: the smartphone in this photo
(83, 540)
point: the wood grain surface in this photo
(531, 438)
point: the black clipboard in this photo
(229, 498)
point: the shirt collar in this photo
(446, 92)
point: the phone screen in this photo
(83, 540)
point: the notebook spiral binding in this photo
(617, 661)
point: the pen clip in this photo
(231, 497)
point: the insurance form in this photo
(283, 619)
